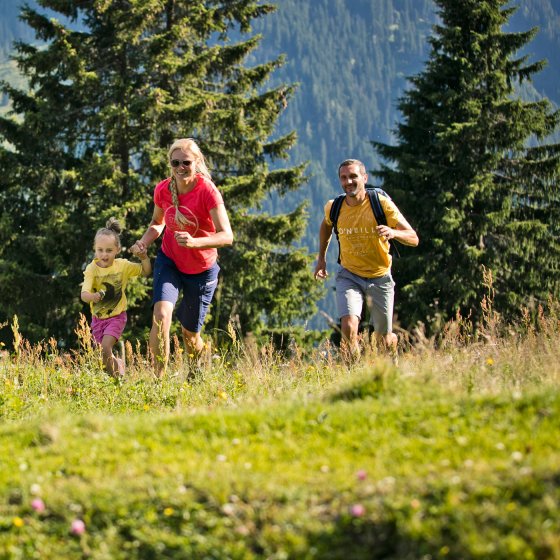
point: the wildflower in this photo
(357, 510)
(146, 407)
(18, 522)
(77, 527)
(242, 530)
(517, 456)
(168, 511)
(386, 484)
(38, 505)
(361, 474)
(489, 362)
(223, 395)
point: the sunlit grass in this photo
(254, 453)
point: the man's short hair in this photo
(352, 162)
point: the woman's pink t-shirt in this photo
(196, 206)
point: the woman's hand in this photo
(185, 239)
(139, 248)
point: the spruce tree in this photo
(475, 172)
(111, 85)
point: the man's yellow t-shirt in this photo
(362, 251)
(113, 281)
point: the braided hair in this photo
(200, 167)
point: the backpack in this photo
(373, 195)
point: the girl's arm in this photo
(144, 260)
(146, 266)
(88, 297)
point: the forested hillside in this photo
(351, 59)
(11, 27)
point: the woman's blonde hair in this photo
(200, 166)
(113, 229)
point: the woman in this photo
(190, 211)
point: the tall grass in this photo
(255, 453)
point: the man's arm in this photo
(325, 234)
(402, 232)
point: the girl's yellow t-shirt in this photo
(362, 251)
(112, 281)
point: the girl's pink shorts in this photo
(113, 326)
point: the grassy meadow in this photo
(454, 453)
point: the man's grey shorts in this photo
(378, 292)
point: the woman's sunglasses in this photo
(177, 162)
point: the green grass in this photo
(453, 454)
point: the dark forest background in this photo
(350, 60)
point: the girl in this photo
(105, 281)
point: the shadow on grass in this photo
(371, 386)
(358, 539)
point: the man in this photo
(365, 271)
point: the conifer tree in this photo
(475, 171)
(111, 85)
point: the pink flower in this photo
(361, 474)
(38, 505)
(78, 527)
(357, 510)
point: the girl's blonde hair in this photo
(113, 229)
(200, 166)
